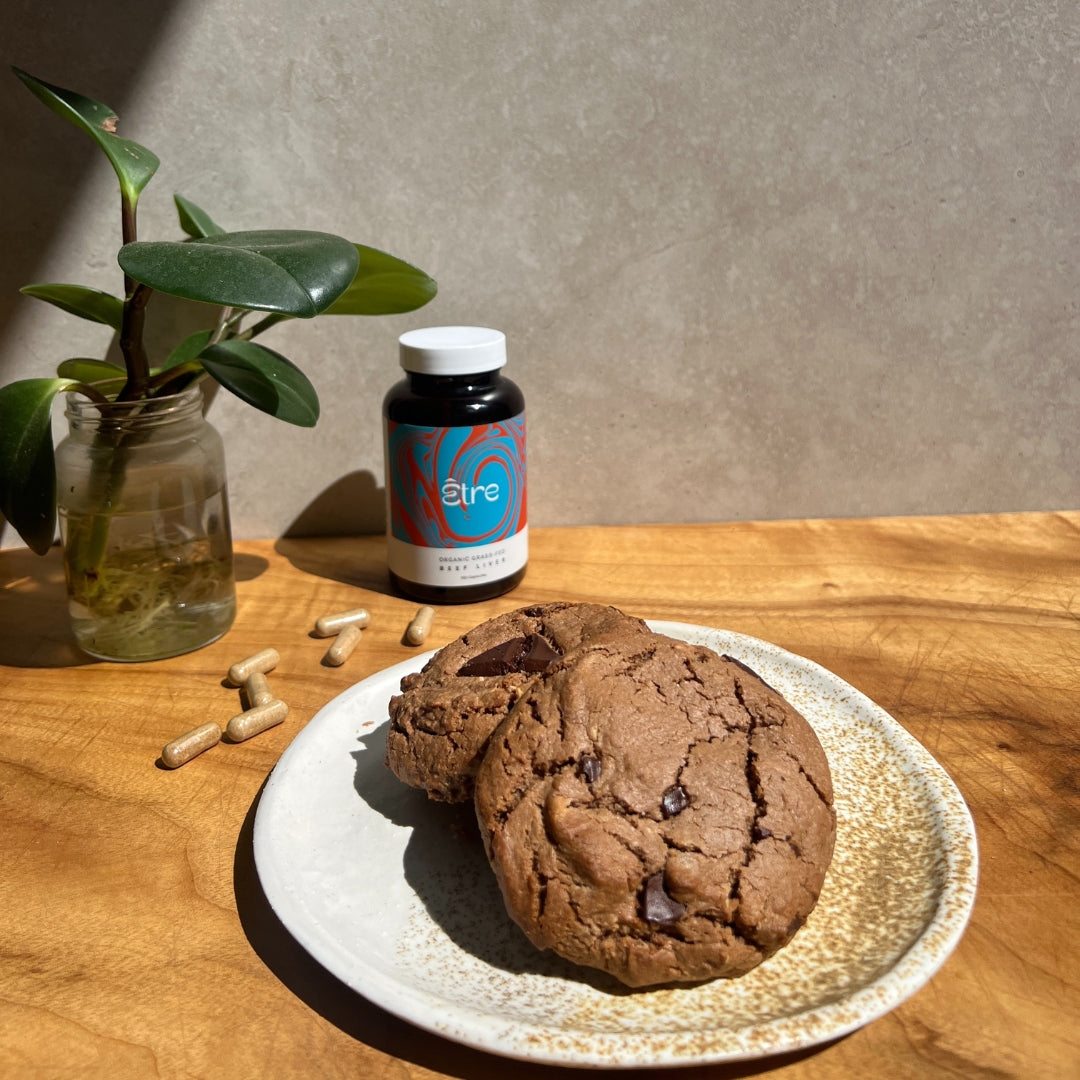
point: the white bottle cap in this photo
(452, 350)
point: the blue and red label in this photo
(451, 488)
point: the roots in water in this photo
(146, 596)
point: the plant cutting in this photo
(142, 505)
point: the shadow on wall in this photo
(99, 49)
(355, 505)
(352, 512)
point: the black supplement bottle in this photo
(454, 438)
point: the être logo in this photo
(455, 493)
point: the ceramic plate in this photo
(393, 895)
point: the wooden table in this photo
(134, 939)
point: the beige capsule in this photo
(263, 661)
(343, 645)
(329, 625)
(257, 690)
(254, 721)
(191, 744)
(417, 631)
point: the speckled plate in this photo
(393, 895)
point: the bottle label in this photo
(456, 502)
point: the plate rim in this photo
(904, 977)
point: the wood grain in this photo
(134, 937)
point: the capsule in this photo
(257, 690)
(254, 721)
(329, 625)
(343, 645)
(263, 661)
(191, 744)
(417, 631)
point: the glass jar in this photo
(144, 523)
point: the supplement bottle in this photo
(454, 436)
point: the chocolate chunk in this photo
(499, 660)
(761, 833)
(532, 653)
(656, 905)
(674, 801)
(591, 769)
(539, 655)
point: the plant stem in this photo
(131, 340)
(85, 546)
(91, 392)
(261, 325)
(229, 315)
(183, 374)
(136, 297)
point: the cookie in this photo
(657, 811)
(445, 714)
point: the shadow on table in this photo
(352, 560)
(34, 626)
(355, 1016)
(248, 567)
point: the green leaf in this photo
(87, 303)
(134, 164)
(88, 370)
(265, 379)
(384, 285)
(189, 349)
(194, 220)
(27, 465)
(184, 363)
(292, 271)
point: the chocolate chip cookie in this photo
(657, 811)
(445, 714)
